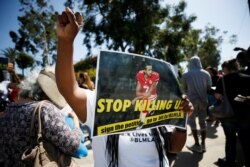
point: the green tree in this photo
(206, 44)
(37, 30)
(191, 43)
(122, 25)
(209, 47)
(149, 28)
(11, 54)
(24, 61)
(143, 27)
(170, 44)
(86, 64)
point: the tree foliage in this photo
(209, 47)
(11, 54)
(143, 27)
(149, 28)
(122, 25)
(36, 34)
(191, 43)
(88, 63)
(170, 44)
(24, 61)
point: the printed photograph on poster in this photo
(135, 92)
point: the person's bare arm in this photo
(15, 78)
(178, 137)
(151, 88)
(177, 140)
(67, 28)
(139, 93)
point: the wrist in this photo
(66, 40)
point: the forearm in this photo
(69, 24)
(65, 77)
(177, 140)
(16, 79)
(140, 95)
(66, 81)
(152, 88)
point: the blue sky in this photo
(227, 15)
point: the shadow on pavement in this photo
(188, 159)
(211, 130)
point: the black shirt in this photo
(236, 84)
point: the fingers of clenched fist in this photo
(68, 16)
(79, 18)
(63, 19)
(187, 106)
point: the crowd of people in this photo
(236, 127)
(71, 103)
(200, 87)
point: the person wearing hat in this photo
(47, 82)
(15, 122)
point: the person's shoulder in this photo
(47, 107)
(155, 73)
(90, 94)
(88, 91)
(140, 74)
(155, 76)
(45, 103)
(205, 72)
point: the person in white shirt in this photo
(129, 149)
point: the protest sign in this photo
(119, 107)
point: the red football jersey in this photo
(147, 82)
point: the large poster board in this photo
(117, 107)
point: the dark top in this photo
(236, 84)
(15, 131)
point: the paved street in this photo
(215, 149)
